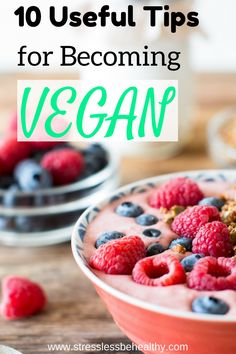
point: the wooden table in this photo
(75, 314)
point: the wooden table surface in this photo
(75, 314)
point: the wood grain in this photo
(75, 314)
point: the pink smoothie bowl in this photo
(149, 325)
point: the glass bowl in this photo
(47, 216)
(221, 138)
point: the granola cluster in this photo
(228, 212)
(169, 215)
(228, 216)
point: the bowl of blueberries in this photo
(45, 186)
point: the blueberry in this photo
(183, 241)
(108, 236)
(213, 201)
(92, 165)
(189, 262)
(154, 248)
(129, 209)
(97, 150)
(95, 158)
(152, 232)
(30, 176)
(146, 220)
(210, 305)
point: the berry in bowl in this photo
(44, 186)
(161, 254)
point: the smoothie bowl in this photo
(161, 254)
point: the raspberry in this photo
(21, 298)
(211, 273)
(65, 165)
(179, 191)
(118, 256)
(189, 221)
(160, 270)
(12, 152)
(213, 239)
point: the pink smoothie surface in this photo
(177, 297)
